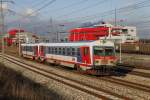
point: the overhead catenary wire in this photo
(42, 7)
(107, 13)
(122, 9)
(36, 4)
(35, 11)
(110, 12)
(84, 8)
(68, 6)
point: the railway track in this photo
(108, 79)
(130, 70)
(129, 67)
(89, 89)
(127, 83)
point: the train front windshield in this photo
(104, 51)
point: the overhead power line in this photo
(35, 11)
(38, 3)
(66, 7)
(84, 8)
(71, 5)
(44, 6)
(110, 12)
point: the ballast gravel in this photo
(65, 91)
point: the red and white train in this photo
(97, 57)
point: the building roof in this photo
(14, 31)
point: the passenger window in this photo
(55, 50)
(49, 50)
(63, 51)
(60, 51)
(31, 48)
(73, 51)
(27, 48)
(78, 52)
(52, 50)
(68, 51)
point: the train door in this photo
(86, 55)
(42, 51)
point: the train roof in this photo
(89, 43)
(80, 44)
(30, 44)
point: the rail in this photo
(97, 92)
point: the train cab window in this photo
(99, 51)
(104, 51)
(109, 51)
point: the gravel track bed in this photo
(119, 89)
(135, 79)
(66, 92)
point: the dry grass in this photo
(13, 86)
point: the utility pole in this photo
(115, 17)
(51, 31)
(120, 55)
(57, 36)
(2, 23)
(120, 44)
(61, 31)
